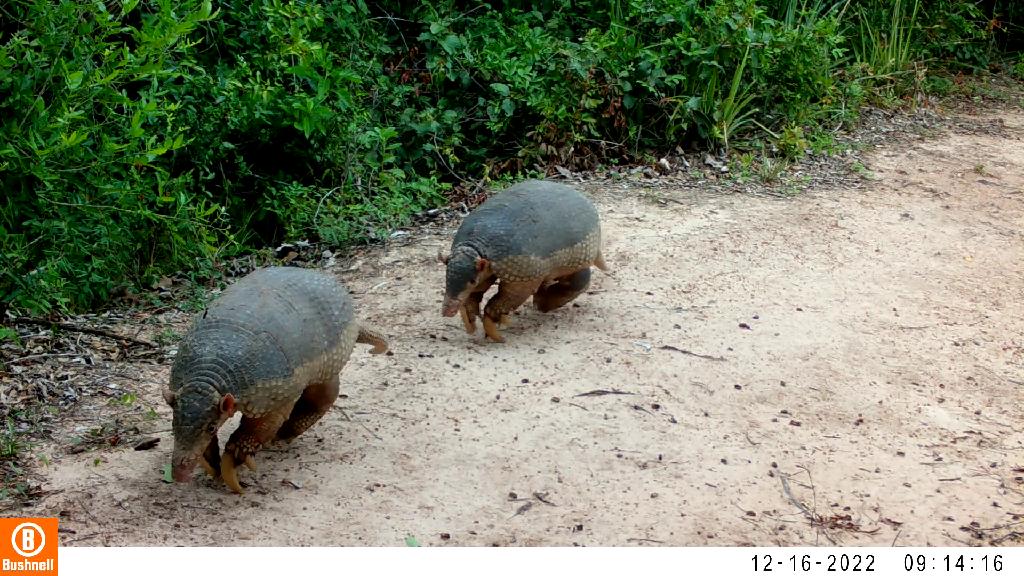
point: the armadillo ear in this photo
(441, 257)
(169, 396)
(482, 264)
(227, 404)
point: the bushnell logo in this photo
(28, 545)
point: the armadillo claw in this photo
(250, 463)
(229, 473)
(467, 322)
(491, 330)
(209, 468)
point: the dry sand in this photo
(866, 344)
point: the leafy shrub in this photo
(90, 124)
(157, 136)
(141, 138)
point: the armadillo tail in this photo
(374, 338)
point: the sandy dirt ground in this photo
(845, 365)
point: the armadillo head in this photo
(466, 269)
(199, 410)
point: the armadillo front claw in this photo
(250, 463)
(229, 473)
(467, 321)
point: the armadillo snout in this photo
(181, 469)
(450, 307)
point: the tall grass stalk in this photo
(808, 12)
(735, 112)
(887, 52)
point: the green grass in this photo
(10, 441)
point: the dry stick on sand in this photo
(365, 427)
(814, 518)
(645, 540)
(603, 393)
(694, 354)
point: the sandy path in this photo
(869, 343)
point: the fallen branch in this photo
(364, 426)
(32, 357)
(694, 354)
(815, 519)
(85, 330)
(789, 494)
(543, 497)
(86, 537)
(603, 393)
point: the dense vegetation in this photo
(139, 138)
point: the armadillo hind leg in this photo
(251, 435)
(600, 263)
(562, 291)
(374, 338)
(511, 295)
(315, 401)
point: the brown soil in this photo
(845, 365)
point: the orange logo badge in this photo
(28, 546)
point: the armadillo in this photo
(535, 238)
(271, 347)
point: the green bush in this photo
(161, 135)
(90, 121)
(140, 138)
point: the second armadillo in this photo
(535, 238)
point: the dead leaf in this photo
(147, 444)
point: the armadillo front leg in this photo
(211, 458)
(511, 295)
(315, 401)
(562, 291)
(251, 435)
(471, 309)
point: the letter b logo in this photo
(28, 539)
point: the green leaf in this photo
(451, 43)
(74, 79)
(501, 89)
(411, 542)
(167, 474)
